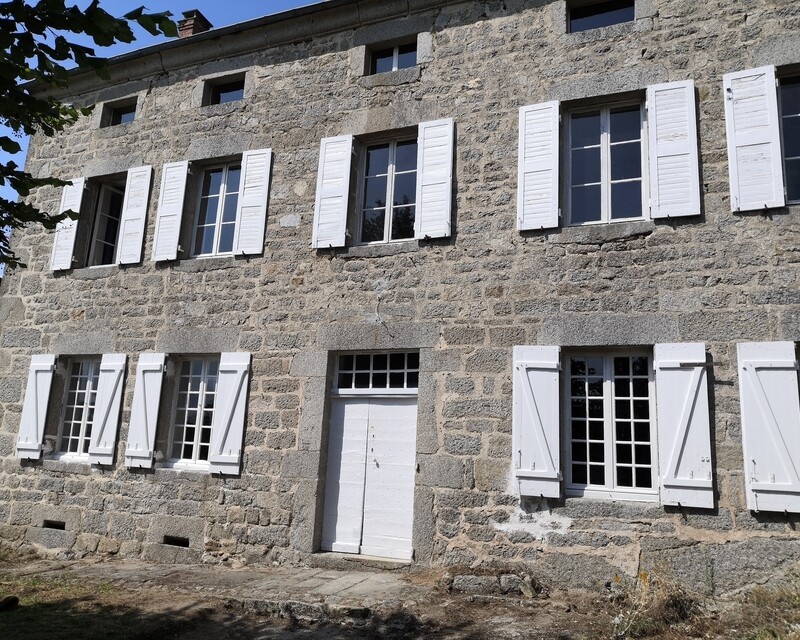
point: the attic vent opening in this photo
(177, 541)
(59, 525)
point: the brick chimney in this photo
(193, 23)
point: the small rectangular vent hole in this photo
(54, 524)
(177, 541)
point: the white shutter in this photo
(134, 214)
(251, 209)
(754, 140)
(103, 439)
(770, 409)
(434, 179)
(34, 408)
(684, 427)
(227, 424)
(333, 192)
(144, 413)
(674, 165)
(537, 167)
(170, 211)
(66, 230)
(536, 424)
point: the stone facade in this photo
(463, 301)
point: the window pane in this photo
(397, 379)
(578, 430)
(377, 160)
(362, 380)
(380, 361)
(594, 366)
(791, 136)
(597, 475)
(624, 476)
(577, 366)
(212, 182)
(578, 387)
(643, 454)
(232, 179)
(379, 379)
(596, 387)
(625, 124)
(375, 192)
(204, 240)
(585, 167)
(579, 474)
(626, 161)
(596, 430)
(363, 361)
(208, 211)
(640, 388)
(228, 92)
(626, 200)
(405, 188)
(346, 362)
(624, 454)
(397, 360)
(640, 367)
(403, 223)
(595, 408)
(382, 60)
(413, 380)
(406, 156)
(622, 409)
(641, 409)
(229, 209)
(621, 366)
(372, 225)
(226, 238)
(585, 205)
(579, 408)
(579, 451)
(597, 451)
(644, 478)
(623, 431)
(601, 15)
(641, 431)
(790, 96)
(622, 388)
(793, 179)
(345, 380)
(407, 56)
(584, 129)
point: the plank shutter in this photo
(134, 215)
(66, 230)
(34, 407)
(105, 425)
(535, 425)
(251, 209)
(434, 179)
(674, 165)
(333, 192)
(754, 140)
(537, 166)
(684, 428)
(227, 423)
(770, 409)
(170, 211)
(144, 413)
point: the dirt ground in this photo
(53, 607)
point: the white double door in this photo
(369, 493)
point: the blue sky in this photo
(220, 14)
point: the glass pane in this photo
(406, 156)
(641, 431)
(594, 366)
(597, 451)
(227, 92)
(793, 180)
(346, 362)
(407, 56)
(345, 380)
(405, 188)
(584, 129)
(596, 387)
(397, 360)
(380, 361)
(208, 211)
(382, 60)
(204, 240)
(621, 366)
(623, 431)
(229, 208)
(412, 360)
(597, 475)
(585, 167)
(603, 14)
(624, 454)
(362, 380)
(579, 452)
(626, 161)
(595, 408)
(622, 409)
(578, 387)
(397, 380)
(375, 192)
(640, 389)
(579, 474)
(579, 408)
(643, 454)
(232, 180)
(577, 366)
(596, 430)
(624, 477)
(372, 225)
(413, 380)
(377, 160)
(578, 430)
(639, 366)
(212, 182)
(622, 388)
(641, 409)
(644, 478)
(626, 200)
(626, 124)
(403, 223)
(790, 96)
(585, 205)
(226, 238)
(363, 361)
(379, 379)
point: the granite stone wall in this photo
(463, 302)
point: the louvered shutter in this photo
(674, 165)
(537, 166)
(251, 209)
(103, 439)
(34, 407)
(333, 192)
(66, 230)
(227, 423)
(134, 215)
(434, 179)
(754, 141)
(684, 427)
(536, 424)
(170, 211)
(770, 409)
(144, 413)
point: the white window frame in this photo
(605, 163)
(374, 392)
(84, 438)
(390, 181)
(193, 463)
(781, 79)
(609, 490)
(225, 166)
(95, 224)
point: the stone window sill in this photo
(378, 250)
(222, 109)
(600, 233)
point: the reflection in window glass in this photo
(601, 14)
(216, 215)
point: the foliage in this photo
(38, 54)
(653, 605)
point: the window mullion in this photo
(605, 164)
